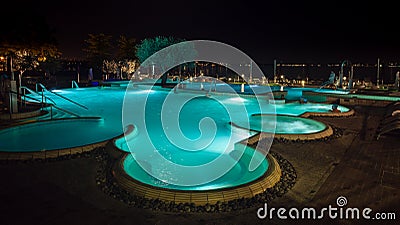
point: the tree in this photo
(124, 61)
(149, 46)
(27, 44)
(98, 48)
(122, 67)
(126, 55)
(23, 58)
(51, 66)
(126, 48)
(27, 41)
(180, 52)
(109, 67)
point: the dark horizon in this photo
(309, 32)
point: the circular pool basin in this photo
(284, 124)
(296, 109)
(238, 175)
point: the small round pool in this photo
(285, 125)
(238, 175)
(296, 109)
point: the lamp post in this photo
(251, 72)
(152, 70)
(226, 69)
(377, 74)
(13, 106)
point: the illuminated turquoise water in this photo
(51, 135)
(295, 108)
(238, 175)
(284, 125)
(107, 103)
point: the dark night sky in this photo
(301, 31)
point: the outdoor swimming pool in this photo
(169, 138)
(106, 102)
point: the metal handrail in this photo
(44, 101)
(13, 92)
(28, 89)
(76, 103)
(73, 83)
(41, 85)
(72, 101)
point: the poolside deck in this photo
(356, 165)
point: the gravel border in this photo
(107, 183)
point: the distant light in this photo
(42, 58)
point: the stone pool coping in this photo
(36, 111)
(328, 114)
(23, 115)
(249, 190)
(47, 154)
(327, 132)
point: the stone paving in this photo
(368, 173)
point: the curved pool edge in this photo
(351, 112)
(201, 197)
(55, 153)
(32, 120)
(51, 153)
(24, 115)
(327, 132)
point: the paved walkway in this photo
(356, 166)
(369, 172)
(363, 170)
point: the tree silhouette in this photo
(149, 46)
(126, 48)
(98, 48)
(178, 52)
(27, 43)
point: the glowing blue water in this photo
(238, 175)
(285, 125)
(107, 103)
